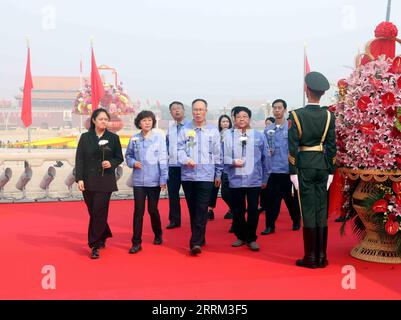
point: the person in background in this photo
(231, 230)
(224, 124)
(177, 112)
(147, 156)
(98, 155)
(269, 121)
(263, 192)
(280, 186)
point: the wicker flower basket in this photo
(373, 247)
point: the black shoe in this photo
(135, 248)
(195, 250)
(310, 248)
(228, 215)
(322, 261)
(173, 225)
(95, 253)
(296, 226)
(203, 243)
(306, 264)
(268, 230)
(158, 240)
(210, 215)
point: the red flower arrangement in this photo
(387, 207)
(115, 101)
(386, 30)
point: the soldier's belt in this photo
(318, 148)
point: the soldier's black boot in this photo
(322, 261)
(310, 247)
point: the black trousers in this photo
(279, 187)
(225, 192)
(140, 195)
(98, 208)
(197, 195)
(263, 197)
(173, 186)
(245, 229)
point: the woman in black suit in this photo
(98, 155)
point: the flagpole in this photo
(29, 128)
(388, 10)
(80, 74)
(29, 139)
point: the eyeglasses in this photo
(242, 117)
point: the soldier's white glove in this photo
(329, 181)
(294, 180)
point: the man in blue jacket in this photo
(199, 152)
(247, 164)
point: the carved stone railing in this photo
(47, 175)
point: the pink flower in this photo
(396, 65)
(365, 126)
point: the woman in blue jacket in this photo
(147, 155)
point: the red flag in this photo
(26, 112)
(96, 83)
(307, 68)
(336, 195)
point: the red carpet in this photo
(34, 235)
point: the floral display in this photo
(115, 101)
(368, 117)
(368, 128)
(385, 204)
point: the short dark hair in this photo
(271, 119)
(316, 94)
(278, 101)
(199, 100)
(229, 120)
(240, 109)
(142, 115)
(176, 102)
(95, 114)
(233, 109)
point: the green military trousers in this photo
(313, 195)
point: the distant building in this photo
(52, 102)
(5, 103)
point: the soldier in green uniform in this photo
(312, 158)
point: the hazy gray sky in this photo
(180, 50)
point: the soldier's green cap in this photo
(316, 81)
